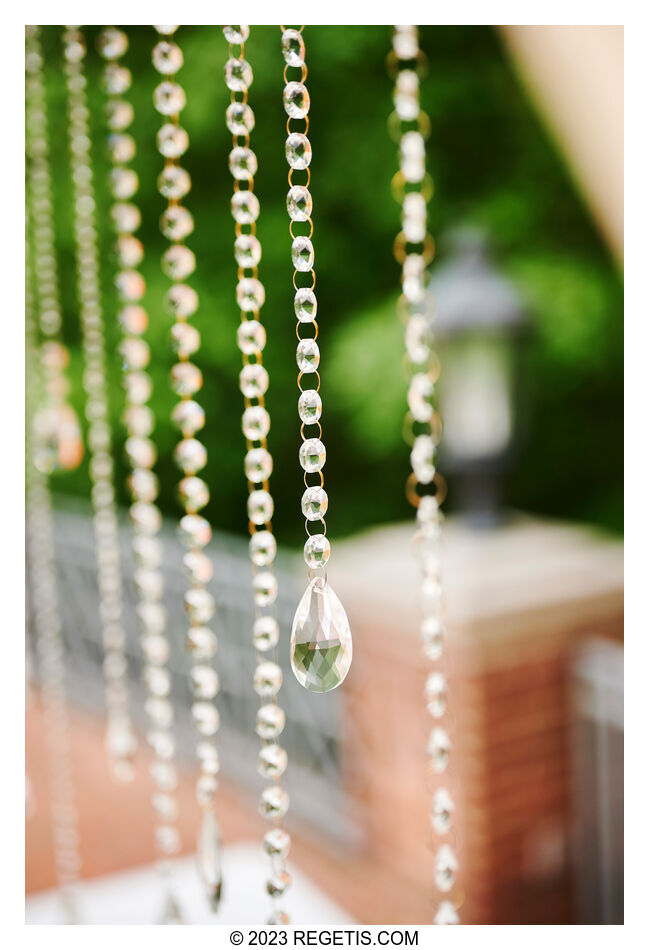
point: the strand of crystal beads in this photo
(61, 445)
(414, 250)
(50, 649)
(120, 738)
(258, 464)
(321, 642)
(141, 452)
(178, 263)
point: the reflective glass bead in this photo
(239, 118)
(205, 681)
(189, 416)
(198, 567)
(446, 914)
(298, 150)
(293, 48)
(270, 721)
(264, 586)
(194, 531)
(152, 617)
(116, 79)
(155, 648)
(255, 423)
(141, 452)
(307, 356)
(306, 305)
(272, 761)
(119, 115)
(267, 680)
(130, 285)
(145, 517)
(139, 420)
(169, 98)
(436, 694)
(181, 300)
(274, 802)
(258, 465)
(143, 485)
(206, 787)
(174, 183)
(251, 337)
(446, 866)
(186, 379)
(166, 30)
(277, 843)
(172, 140)
(176, 223)
(247, 250)
(418, 338)
(201, 641)
(296, 100)
(262, 548)
(413, 156)
(265, 634)
(250, 294)
(121, 147)
(123, 183)
(439, 749)
(193, 493)
(126, 217)
(279, 918)
(299, 203)
(134, 352)
(309, 406)
(277, 883)
(236, 34)
(405, 42)
(312, 455)
(422, 459)
(432, 635)
(112, 43)
(185, 339)
(420, 393)
(260, 507)
(414, 217)
(238, 74)
(244, 206)
(314, 504)
(253, 380)
(442, 809)
(167, 57)
(302, 254)
(206, 718)
(242, 163)
(178, 262)
(129, 251)
(406, 95)
(199, 605)
(317, 551)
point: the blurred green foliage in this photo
(493, 165)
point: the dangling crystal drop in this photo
(321, 641)
(209, 858)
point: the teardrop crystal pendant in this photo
(321, 641)
(209, 858)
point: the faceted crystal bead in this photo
(155, 648)
(439, 749)
(238, 74)
(239, 118)
(176, 223)
(299, 203)
(255, 423)
(258, 465)
(293, 48)
(167, 57)
(250, 294)
(174, 183)
(277, 883)
(307, 356)
(441, 811)
(206, 717)
(145, 517)
(126, 217)
(165, 806)
(143, 484)
(432, 635)
(270, 721)
(123, 183)
(190, 455)
(119, 115)
(296, 100)
(244, 206)
(418, 338)
(251, 337)
(306, 305)
(253, 380)
(277, 843)
(199, 605)
(112, 43)
(166, 30)
(260, 507)
(168, 839)
(446, 867)
(193, 493)
(314, 504)
(205, 681)
(436, 694)
(206, 789)
(405, 43)
(243, 163)
(164, 775)
(169, 98)
(317, 551)
(264, 587)
(309, 406)
(129, 251)
(414, 217)
(153, 617)
(236, 34)
(159, 711)
(182, 301)
(278, 918)
(262, 548)
(172, 140)
(413, 156)
(147, 551)
(185, 339)
(135, 353)
(420, 393)
(209, 858)
(186, 379)
(406, 95)
(247, 250)
(194, 531)
(116, 79)
(188, 416)
(422, 459)
(209, 757)
(302, 254)
(298, 150)
(178, 262)
(121, 147)
(312, 455)
(202, 643)
(130, 285)
(446, 914)
(274, 802)
(321, 642)
(198, 567)
(157, 681)
(265, 634)
(267, 680)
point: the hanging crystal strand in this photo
(258, 464)
(141, 452)
(60, 440)
(321, 642)
(414, 249)
(50, 649)
(178, 263)
(120, 738)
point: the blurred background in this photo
(526, 155)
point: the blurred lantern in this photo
(477, 316)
